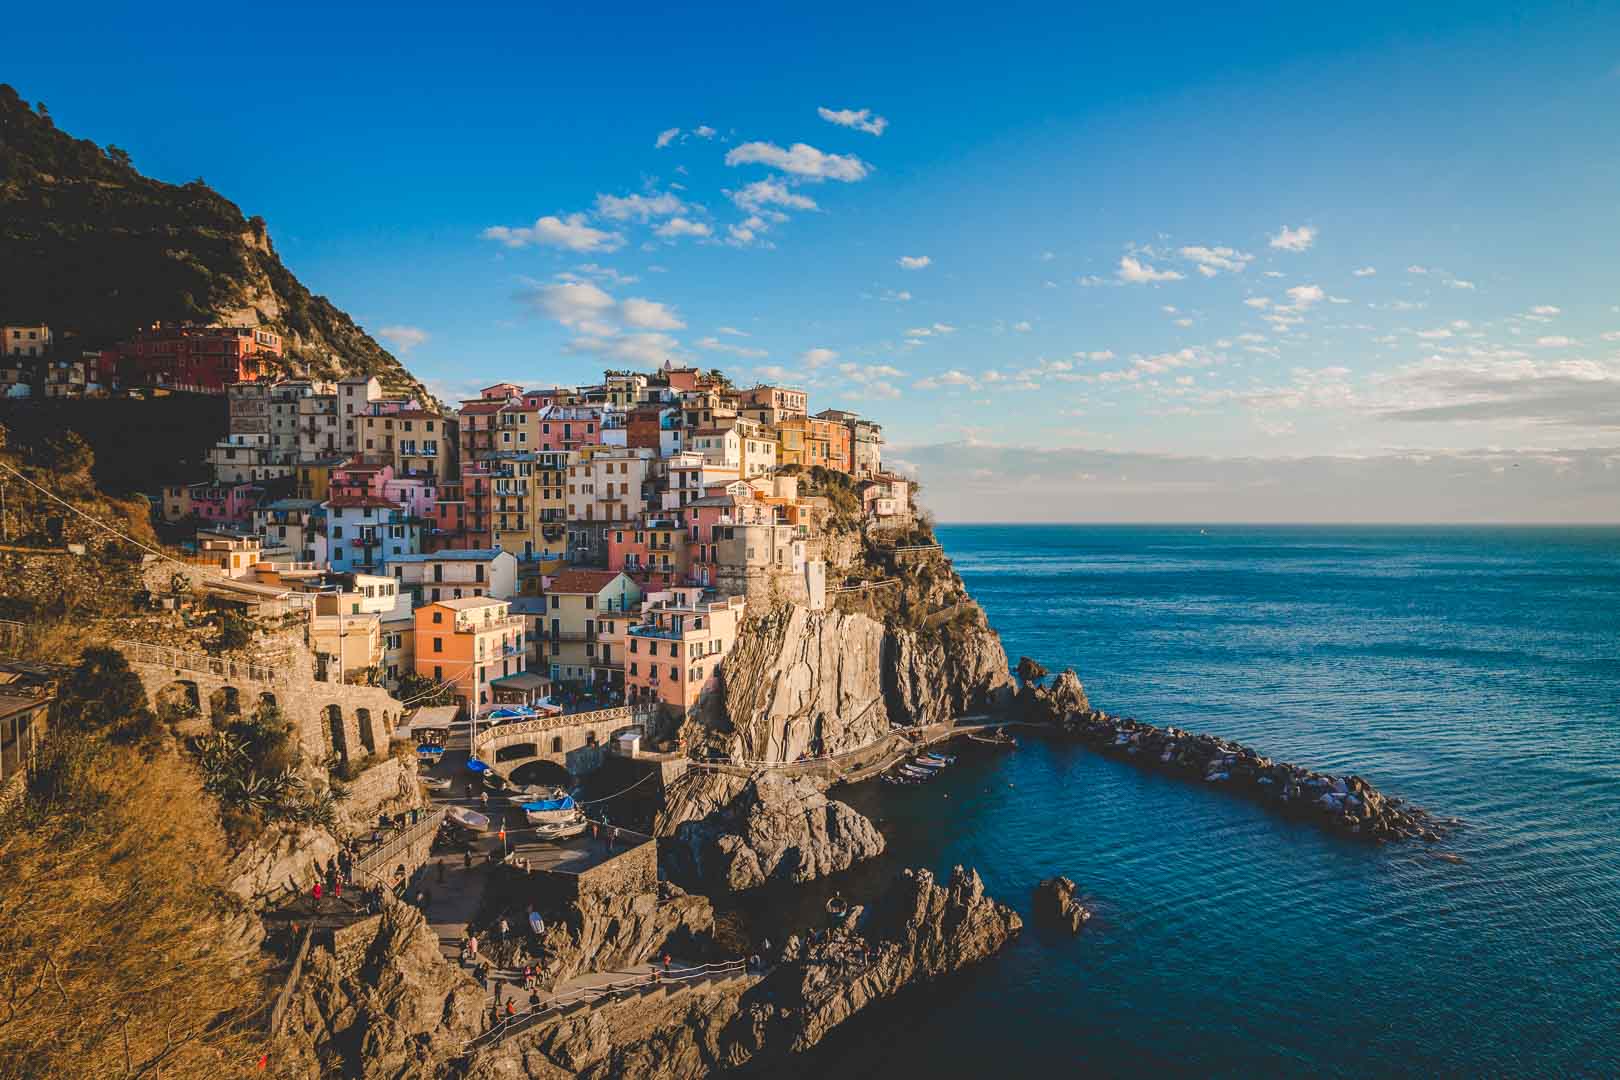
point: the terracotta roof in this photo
(582, 581)
(482, 406)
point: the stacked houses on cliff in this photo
(537, 541)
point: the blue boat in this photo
(474, 765)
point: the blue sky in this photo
(1080, 260)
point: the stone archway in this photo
(179, 700)
(516, 751)
(226, 701)
(368, 736)
(336, 739)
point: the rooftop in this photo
(467, 603)
(583, 581)
(467, 555)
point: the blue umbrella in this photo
(430, 748)
(474, 765)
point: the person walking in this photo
(483, 800)
(472, 947)
(504, 928)
(316, 891)
(466, 859)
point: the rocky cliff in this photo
(731, 833)
(918, 931)
(95, 249)
(382, 1003)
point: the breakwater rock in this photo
(1056, 900)
(1345, 804)
(917, 931)
(734, 833)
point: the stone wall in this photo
(58, 579)
(388, 787)
(632, 872)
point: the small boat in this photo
(837, 908)
(943, 759)
(927, 763)
(916, 773)
(999, 738)
(555, 816)
(436, 783)
(467, 819)
(474, 765)
(895, 778)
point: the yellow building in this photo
(583, 625)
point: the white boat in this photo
(555, 816)
(926, 763)
(943, 759)
(467, 819)
(916, 773)
(436, 783)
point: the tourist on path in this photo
(317, 892)
(505, 928)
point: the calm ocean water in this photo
(1475, 671)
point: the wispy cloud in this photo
(914, 262)
(571, 232)
(1136, 272)
(800, 159)
(1299, 239)
(403, 338)
(859, 119)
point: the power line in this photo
(48, 493)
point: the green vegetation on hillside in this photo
(92, 248)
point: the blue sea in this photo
(1474, 671)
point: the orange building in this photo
(673, 655)
(469, 644)
(205, 358)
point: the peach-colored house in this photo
(674, 653)
(469, 644)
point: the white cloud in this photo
(817, 357)
(1212, 260)
(638, 207)
(714, 344)
(649, 315)
(951, 378)
(1556, 341)
(1611, 335)
(1299, 239)
(678, 226)
(800, 159)
(637, 350)
(771, 192)
(1304, 296)
(1546, 309)
(606, 273)
(895, 297)
(914, 262)
(666, 137)
(1458, 283)
(1022, 327)
(704, 131)
(859, 119)
(1436, 334)
(1365, 271)
(403, 338)
(569, 232)
(573, 303)
(1137, 272)
(1416, 269)
(1258, 302)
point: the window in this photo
(590, 602)
(438, 616)
(438, 673)
(675, 673)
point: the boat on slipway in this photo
(555, 816)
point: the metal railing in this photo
(629, 713)
(377, 859)
(593, 995)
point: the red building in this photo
(200, 358)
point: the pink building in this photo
(356, 479)
(674, 653)
(417, 495)
(225, 504)
(569, 427)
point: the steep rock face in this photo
(1053, 703)
(802, 681)
(935, 675)
(279, 864)
(918, 931)
(396, 1011)
(738, 834)
(608, 931)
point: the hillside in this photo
(89, 246)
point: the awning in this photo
(523, 680)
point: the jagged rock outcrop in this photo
(1057, 901)
(734, 833)
(1051, 703)
(956, 669)
(388, 1007)
(918, 931)
(803, 682)
(279, 864)
(607, 931)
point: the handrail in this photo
(278, 1011)
(637, 713)
(520, 1021)
(378, 858)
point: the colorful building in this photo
(467, 644)
(676, 649)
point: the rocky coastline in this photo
(1347, 805)
(918, 930)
